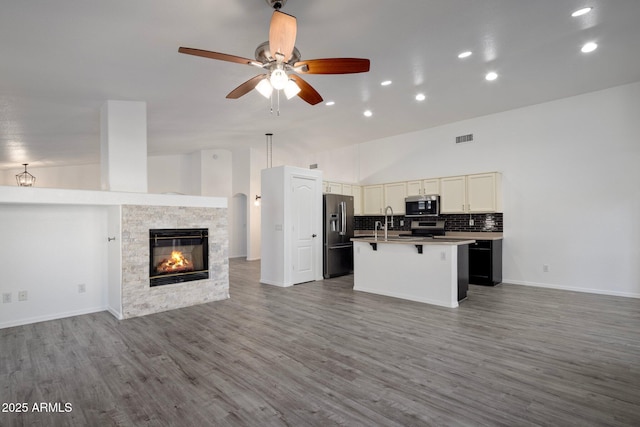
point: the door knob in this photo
(313, 235)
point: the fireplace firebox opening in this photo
(178, 255)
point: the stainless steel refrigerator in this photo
(338, 231)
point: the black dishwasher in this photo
(485, 262)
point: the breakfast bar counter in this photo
(432, 271)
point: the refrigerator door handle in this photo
(343, 218)
(346, 245)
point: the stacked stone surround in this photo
(138, 298)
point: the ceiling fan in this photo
(282, 62)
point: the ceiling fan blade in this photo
(246, 87)
(282, 35)
(215, 55)
(307, 93)
(332, 66)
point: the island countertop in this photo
(478, 235)
(395, 240)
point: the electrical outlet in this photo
(402, 223)
(471, 222)
(22, 296)
(545, 268)
(82, 288)
(6, 298)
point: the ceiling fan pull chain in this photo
(271, 102)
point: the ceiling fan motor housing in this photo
(276, 4)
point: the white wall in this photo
(571, 184)
(171, 174)
(216, 173)
(48, 251)
(79, 177)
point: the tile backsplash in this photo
(453, 222)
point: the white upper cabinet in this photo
(431, 186)
(484, 193)
(479, 193)
(453, 194)
(356, 192)
(373, 199)
(422, 187)
(414, 188)
(331, 187)
(394, 195)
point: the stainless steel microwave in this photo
(428, 205)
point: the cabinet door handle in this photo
(463, 207)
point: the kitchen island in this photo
(432, 271)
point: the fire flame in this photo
(176, 263)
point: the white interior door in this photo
(305, 209)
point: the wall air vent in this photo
(464, 138)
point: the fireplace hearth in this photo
(178, 255)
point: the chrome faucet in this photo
(375, 229)
(386, 221)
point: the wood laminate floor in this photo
(320, 354)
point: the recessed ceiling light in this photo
(385, 83)
(589, 47)
(368, 113)
(330, 103)
(582, 11)
(420, 97)
(465, 54)
(491, 76)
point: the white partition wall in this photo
(123, 146)
(291, 226)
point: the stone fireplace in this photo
(208, 283)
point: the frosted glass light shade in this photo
(278, 79)
(291, 89)
(265, 88)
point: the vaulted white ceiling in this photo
(61, 60)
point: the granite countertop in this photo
(396, 240)
(478, 235)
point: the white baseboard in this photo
(573, 288)
(29, 320)
(280, 284)
(118, 315)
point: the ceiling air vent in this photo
(464, 138)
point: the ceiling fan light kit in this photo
(281, 60)
(265, 88)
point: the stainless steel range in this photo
(427, 228)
